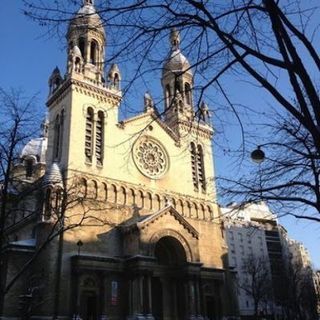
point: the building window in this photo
(61, 133)
(100, 138)
(201, 173)
(168, 96)
(197, 167)
(187, 92)
(93, 52)
(89, 135)
(56, 142)
(82, 46)
(29, 167)
(194, 166)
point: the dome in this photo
(35, 148)
(53, 176)
(176, 62)
(77, 51)
(87, 17)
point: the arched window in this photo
(177, 86)
(168, 96)
(200, 168)
(61, 132)
(148, 204)
(83, 188)
(188, 213)
(47, 207)
(77, 64)
(180, 207)
(122, 196)
(113, 194)
(94, 191)
(140, 199)
(82, 46)
(29, 167)
(100, 138)
(202, 214)
(116, 81)
(157, 202)
(194, 213)
(93, 52)
(194, 168)
(187, 92)
(104, 191)
(132, 197)
(210, 213)
(56, 143)
(89, 135)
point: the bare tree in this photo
(256, 282)
(18, 119)
(266, 43)
(29, 197)
(301, 296)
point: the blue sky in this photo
(28, 58)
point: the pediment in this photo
(145, 221)
(153, 118)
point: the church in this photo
(125, 222)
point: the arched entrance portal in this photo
(168, 283)
(170, 252)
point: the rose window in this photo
(150, 158)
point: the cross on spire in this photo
(175, 39)
(88, 2)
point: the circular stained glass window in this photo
(150, 157)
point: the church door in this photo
(88, 307)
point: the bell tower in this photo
(83, 102)
(86, 42)
(177, 83)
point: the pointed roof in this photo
(53, 176)
(87, 18)
(142, 222)
(176, 61)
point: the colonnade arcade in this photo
(163, 286)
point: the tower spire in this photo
(88, 2)
(175, 39)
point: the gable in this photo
(144, 222)
(144, 121)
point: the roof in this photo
(176, 63)
(53, 176)
(87, 17)
(154, 118)
(141, 222)
(35, 148)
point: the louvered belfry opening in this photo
(197, 167)
(99, 138)
(89, 135)
(194, 166)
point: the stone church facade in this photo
(142, 235)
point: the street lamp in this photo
(79, 244)
(258, 155)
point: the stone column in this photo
(137, 294)
(149, 315)
(192, 304)
(199, 310)
(103, 301)
(166, 299)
